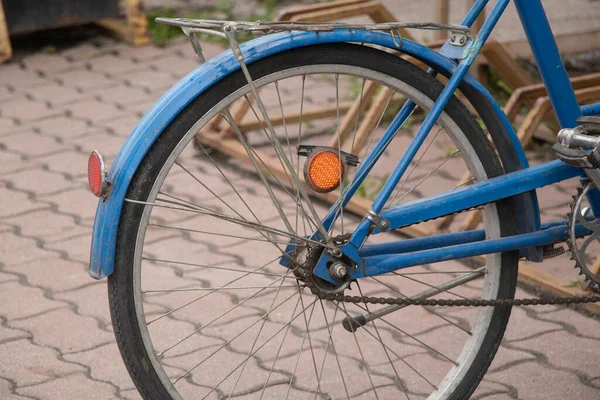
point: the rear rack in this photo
(281, 26)
(227, 29)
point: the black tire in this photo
(121, 282)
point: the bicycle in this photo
(262, 268)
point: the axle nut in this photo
(338, 271)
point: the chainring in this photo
(578, 215)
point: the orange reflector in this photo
(96, 174)
(323, 170)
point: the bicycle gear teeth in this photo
(592, 281)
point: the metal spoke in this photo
(415, 165)
(360, 100)
(330, 340)
(440, 287)
(281, 345)
(428, 309)
(264, 321)
(253, 353)
(210, 266)
(263, 288)
(356, 341)
(277, 144)
(394, 353)
(208, 294)
(198, 289)
(229, 342)
(229, 118)
(257, 239)
(408, 334)
(429, 174)
(306, 333)
(384, 347)
(232, 220)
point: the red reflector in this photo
(96, 174)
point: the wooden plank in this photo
(576, 42)
(441, 11)
(551, 284)
(135, 30)
(307, 115)
(504, 63)
(529, 93)
(5, 47)
(137, 22)
(376, 11)
(291, 12)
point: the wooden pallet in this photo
(133, 29)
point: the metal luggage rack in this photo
(227, 29)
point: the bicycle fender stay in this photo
(154, 122)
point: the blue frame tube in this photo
(361, 232)
(383, 264)
(432, 242)
(480, 193)
(546, 54)
(474, 12)
(591, 109)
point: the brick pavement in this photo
(56, 338)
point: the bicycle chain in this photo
(406, 301)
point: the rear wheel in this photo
(201, 306)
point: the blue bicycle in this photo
(252, 276)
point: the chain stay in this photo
(406, 301)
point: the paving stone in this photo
(91, 300)
(47, 63)
(175, 65)
(108, 144)
(48, 331)
(28, 364)
(65, 127)
(77, 247)
(21, 301)
(55, 227)
(65, 274)
(149, 79)
(101, 359)
(79, 202)
(27, 110)
(15, 202)
(74, 387)
(18, 78)
(56, 94)
(73, 163)
(7, 277)
(6, 391)
(41, 182)
(84, 80)
(94, 110)
(11, 162)
(112, 64)
(9, 126)
(32, 144)
(121, 126)
(125, 96)
(9, 334)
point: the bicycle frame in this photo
(369, 258)
(519, 178)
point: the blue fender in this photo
(197, 81)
